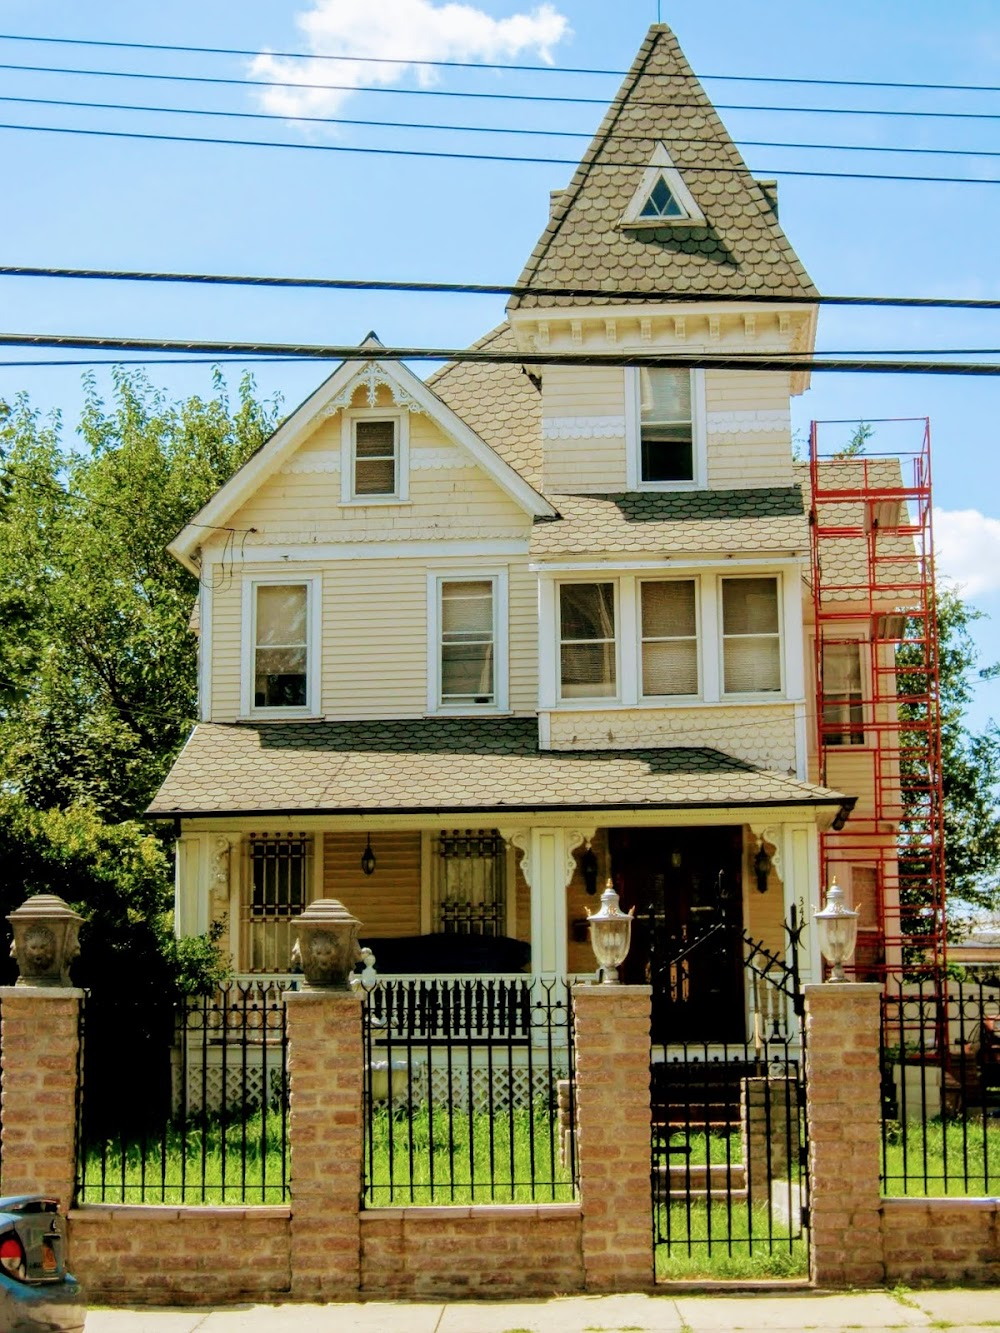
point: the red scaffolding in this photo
(878, 723)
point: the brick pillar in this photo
(843, 1082)
(613, 1134)
(40, 1041)
(766, 1133)
(325, 1132)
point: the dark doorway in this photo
(686, 887)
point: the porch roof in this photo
(427, 765)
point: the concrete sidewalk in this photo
(872, 1311)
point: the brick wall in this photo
(507, 1250)
(187, 1255)
(941, 1240)
(40, 1042)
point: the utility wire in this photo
(479, 129)
(496, 289)
(493, 97)
(320, 352)
(476, 64)
(424, 154)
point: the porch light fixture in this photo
(368, 858)
(838, 931)
(610, 934)
(762, 867)
(588, 869)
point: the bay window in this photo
(669, 631)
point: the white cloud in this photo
(967, 548)
(413, 29)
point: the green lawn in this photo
(942, 1157)
(713, 1239)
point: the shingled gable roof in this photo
(739, 248)
(290, 434)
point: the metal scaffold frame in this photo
(878, 724)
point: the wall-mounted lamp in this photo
(588, 869)
(368, 858)
(762, 867)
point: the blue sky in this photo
(93, 202)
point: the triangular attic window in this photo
(661, 203)
(661, 198)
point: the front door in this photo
(686, 887)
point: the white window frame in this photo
(633, 435)
(499, 579)
(621, 637)
(780, 693)
(698, 640)
(313, 584)
(864, 647)
(401, 423)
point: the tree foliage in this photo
(97, 663)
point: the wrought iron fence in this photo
(940, 1046)
(198, 1114)
(468, 1092)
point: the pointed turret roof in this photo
(738, 248)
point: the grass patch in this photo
(236, 1162)
(941, 1157)
(710, 1239)
(437, 1156)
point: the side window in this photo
(843, 698)
(587, 653)
(281, 645)
(669, 628)
(375, 457)
(666, 426)
(467, 642)
(751, 636)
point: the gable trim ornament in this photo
(661, 198)
(372, 375)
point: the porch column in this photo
(325, 1132)
(843, 1083)
(613, 1134)
(547, 864)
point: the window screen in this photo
(587, 640)
(669, 638)
(751, 642)
(467, 670)
(667, 441)
(374, 458)
(281, 645)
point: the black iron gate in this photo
(729, 1138)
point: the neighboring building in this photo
(517, 629)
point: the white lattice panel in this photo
(212, 1080)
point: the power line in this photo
(493, 97)
(476, 64)
(518, 130)
(320, 352)
(494, 289)
(424, 154)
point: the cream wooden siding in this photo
(748, 435)
(374, 650)
(387, 902)
(764, 913)
(583, 429)
(762, 735)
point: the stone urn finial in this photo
(46, 940)
(326, 947)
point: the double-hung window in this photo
(280, 648)
(751, 636)
(467, 667)
(587, 654)
(669, 634)
(374, 458)
(665, 429)
(843, 698)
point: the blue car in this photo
(37, 1295)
